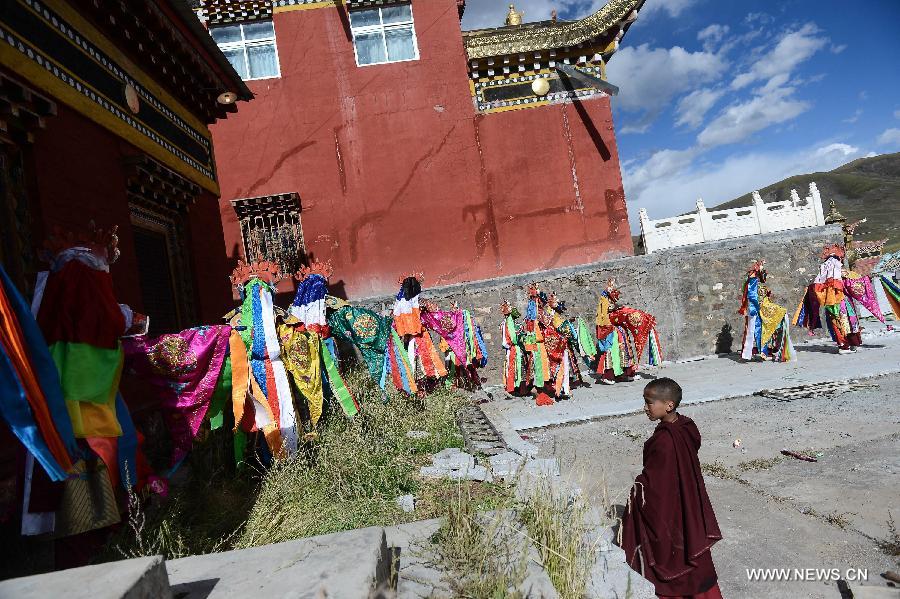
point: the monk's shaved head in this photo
(665, 389)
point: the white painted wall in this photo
(755, 219)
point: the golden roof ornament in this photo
(833, 215)
(514, 17)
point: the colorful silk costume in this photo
(827, 291)
(83, 325)
(182, 369)
(515, 370)
(640, 329)
(577, 343)
(366, 330)
(858, 288)
(408, 324)
(533, 342)
(310, 353)
(766, 325)
(613, 357)
(31, 399)
(892, 291)
(261, 391)
(461, 340)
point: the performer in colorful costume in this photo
(409, 327)
(261, 390)
(83, 325)
(309, 351)
(827, 290)
(640, 332)
(516, 371)
(577, 339)
(461, 342)
(766, 325)
(615, 360)
(533, 341)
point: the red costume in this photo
(669, 524)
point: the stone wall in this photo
(694, 291)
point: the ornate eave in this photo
(550, 35)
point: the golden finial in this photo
(514, 17)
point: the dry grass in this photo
(891, 543)
(760, 463)
(558, 526)
(480, 555)
(348, 478)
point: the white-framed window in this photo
(384, 34)
(249, 47)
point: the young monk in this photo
(669, 525)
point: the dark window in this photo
(270, 230)
(157, 284)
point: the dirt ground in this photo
(774, 511)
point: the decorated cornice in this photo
(517, 39)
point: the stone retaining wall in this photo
(694, 291)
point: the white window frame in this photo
(382, 28)
(244, 44)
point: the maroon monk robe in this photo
(669, 524)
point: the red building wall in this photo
(80, 176)
(396, 171)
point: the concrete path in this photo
(774, 511)
(706, 379)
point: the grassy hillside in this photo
(865, 188)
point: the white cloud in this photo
(673, 7)
(712, 35)
(837, 148)
(890, 137)
(871, 155)
(792, 49)
(666, 185)
(897, 114)
(648, 78)
(854, 117)
(693, 107)
(739, 121)
(837, 49)
(758, 17)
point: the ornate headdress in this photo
(430, 306)
(508, 309)
(103, 243)
(533, 290)
(315, 268)
(418, 275)
(612, 292)
(265, 271)
(833, 249)
(756, 267)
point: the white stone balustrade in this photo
(755, 219)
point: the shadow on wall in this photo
(724, 339)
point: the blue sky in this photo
(720, 97)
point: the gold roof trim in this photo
(516, 39)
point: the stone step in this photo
(346, 564)
(139, 578)
(420, 577)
